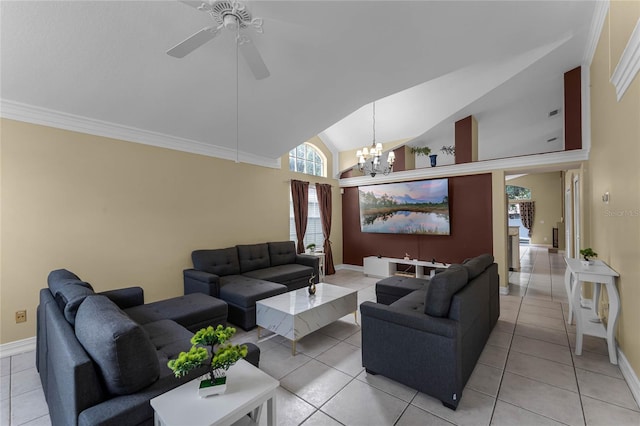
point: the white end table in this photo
(247, 389)
(587, 320)
(320, 255)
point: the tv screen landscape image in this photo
(419, 207)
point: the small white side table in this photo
(587, 320)
(247, 389)
(320, 255)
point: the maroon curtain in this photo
(527, 214)
(300, 197)
(324, 201)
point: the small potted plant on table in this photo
(587, 255)
(311, 248)
(215, 382)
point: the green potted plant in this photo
(448, 149)
(588, 255)
(421, 150)
(221, 359)
(311, 247)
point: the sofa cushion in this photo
(220, 262)
(253, 256)
(282, 273)
(188, 310)
(61, 277)
(169, 339)
(441, 289)
(475, 266)
(69, 297)
(413, 301)
(120, 347)
(245, 291)
(282, 252)
(399, 285)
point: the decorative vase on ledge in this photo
(433, 159)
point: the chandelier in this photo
(370, 158)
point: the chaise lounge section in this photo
(244, 274)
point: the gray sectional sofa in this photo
(102, 356)
(243, 274)
(429, 333)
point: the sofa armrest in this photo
(126, 297)
(411, 319)
(196, 281)
(312, 261)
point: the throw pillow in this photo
(119, 346)
(441, 289)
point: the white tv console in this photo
(383, 267)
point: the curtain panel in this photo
(527, 214)
(324, 200)
(300, 197)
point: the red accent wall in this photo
(572, 110)
(464, 140)
(471, 227)
(400, 164)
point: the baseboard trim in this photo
(17, 347)
(350, 267)
(629, 375)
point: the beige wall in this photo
(613, 229)
(546, 191)
(121, 214)
(500, 225)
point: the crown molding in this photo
(561, 159)
(597, 22)
(46, 117)
(628, 65)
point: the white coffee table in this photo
(295, 314)
(247, 389)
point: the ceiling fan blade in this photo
(187, 46)
(193, 3)
(253, 59)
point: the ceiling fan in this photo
(228, 15)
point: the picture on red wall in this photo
(418, 207)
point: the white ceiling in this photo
(426, 63)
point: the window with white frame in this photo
(314, 222)
(306, 158)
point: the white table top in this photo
(598, 268)
(295, 302)
(246, 386)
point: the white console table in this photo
(383, 267)
(587, 320)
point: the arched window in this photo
(306, 158)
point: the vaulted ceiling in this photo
(425, 63)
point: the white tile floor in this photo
(527, 374)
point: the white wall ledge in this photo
(556, 160)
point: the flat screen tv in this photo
(419, 207)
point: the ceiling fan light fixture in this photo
(230, 22)
(231, 16)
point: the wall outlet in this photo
(21, 316)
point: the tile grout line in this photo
(504, 369)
